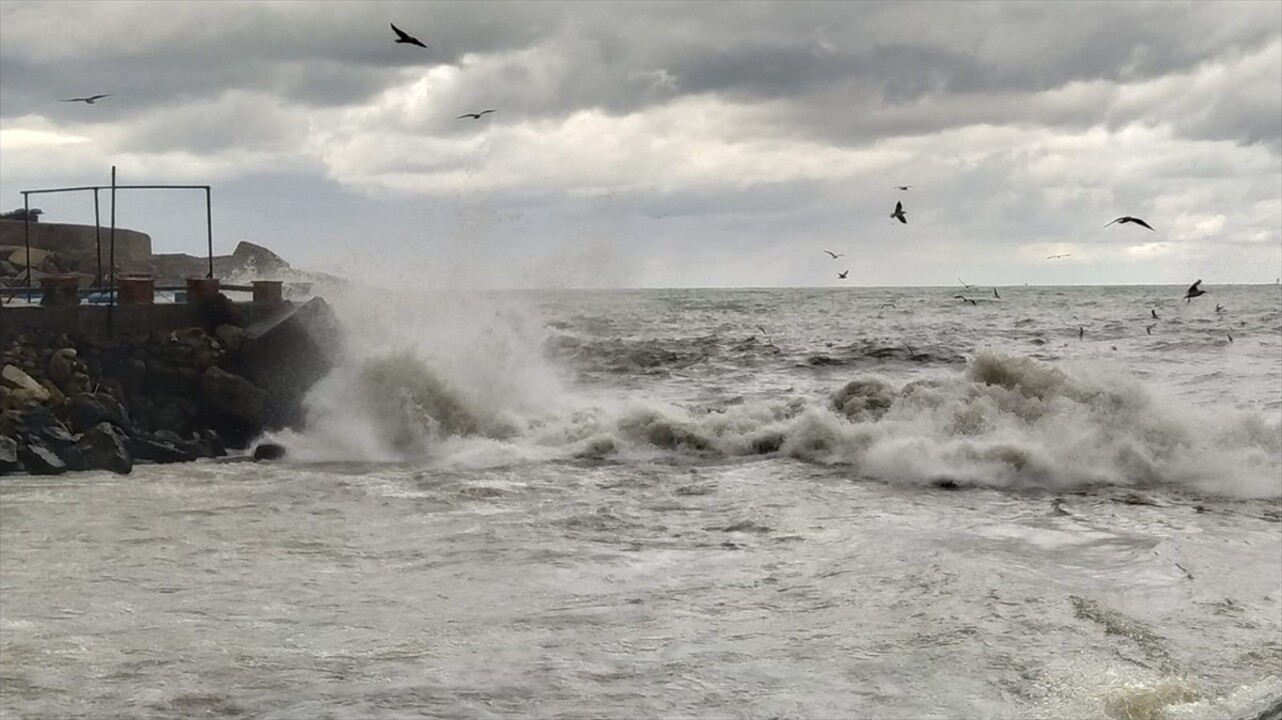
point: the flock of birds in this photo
(899, 214)
(402, 38)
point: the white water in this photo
(635, 504)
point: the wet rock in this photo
(236, 406)
(269, 451)
(158, 450)
(103, 447)
(86, 410)
(23, 387)
(9, 455)
(62, 365)
(40, 460)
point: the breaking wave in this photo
(1003, 421)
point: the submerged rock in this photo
(269, 451)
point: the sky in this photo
(656, 144)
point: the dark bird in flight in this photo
(1081, 332)
(1128, 219)
(474, 116)
(1230, 336)
(1194, 291)
(898, 214)
(902, 187)
(1219, 308)
(1153, 312)
(1149, 328)
(406, 38)
(1056, 257)
(88, 100)
(885, 305)
(964, 283)
(835, 255)
(999, 297)
(966, 299)
(842, 275)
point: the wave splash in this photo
(1004, 421)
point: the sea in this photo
(1055, 502)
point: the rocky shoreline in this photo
(71, 402)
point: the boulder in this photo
(39, 459)
(269, 451)
(237, 406)
(18, 258)
(62, 365)
(16, 379)
(159, 450)
(104, 447)
(289, 353)
(9, 455)
(86, 410)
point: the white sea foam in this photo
(469, 386)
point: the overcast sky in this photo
(668, 144)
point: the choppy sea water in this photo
(881, 503)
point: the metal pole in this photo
(111, 308)
(209, 229)
(97, 238)
(26, 234)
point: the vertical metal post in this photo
(26, 233)
(209, 229)
(111, 270)
(97, 239)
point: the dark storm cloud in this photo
(849, 72)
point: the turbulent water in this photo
(883, 503)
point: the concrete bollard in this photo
(268, 292)
(136, 289)
(60, 290)
(201, 290)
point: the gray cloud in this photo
(739, 122)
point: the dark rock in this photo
(86, 410)
(269, 451)
(40, 460)
(103, 447)
(9, 455)
(167, 379)
(160, 451)
(237, 407)
(288, 354)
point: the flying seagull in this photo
(835, 255)
(1128, 219)
(1081, 332)
(1194, 291)
(474, 116)
(1056, 257)
(966, 299)
(964, 283)
(902, 187)
(406, 38)
(999, 297)
(1219, 308)
(88, 100)
(898, 214)
(842, 275)
(1149, 328)
(1153, 312)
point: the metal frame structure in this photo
(113, 187)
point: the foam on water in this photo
(468, 385)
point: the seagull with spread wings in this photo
(835, 255)
(406, 38)
(898, 214)
(1128, 219)
(88, 100)
(475, 116)
(1194, 291)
